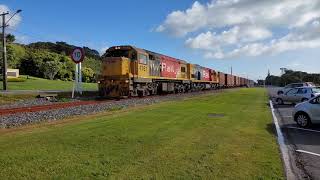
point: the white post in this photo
(75, 85)
(80, 79)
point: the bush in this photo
(19, 79)
(88, 75)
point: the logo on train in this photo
(169, 68)
(205, 74)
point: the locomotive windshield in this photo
(117, 53)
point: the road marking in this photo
(311, 130)
(307, 152)
(283, 148)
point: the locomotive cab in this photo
(121, 65)
(116, 66)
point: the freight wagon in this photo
(130, 71)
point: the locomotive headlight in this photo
(98, 82)
(127, 81)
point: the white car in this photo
(297, 95)
(307, 113)
(294, 85)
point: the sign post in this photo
(77, 57)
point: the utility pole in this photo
(4, 51)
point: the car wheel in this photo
(303, 120)
(279, 101)
(304, 99)
(280, 92)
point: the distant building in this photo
(13, 73)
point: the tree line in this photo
(50, 60)
(291, 76)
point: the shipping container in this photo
(229, 80)
(222, 81)
(236, 81)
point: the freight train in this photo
(128, 71)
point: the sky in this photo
(250, 36)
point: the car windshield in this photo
(316, 90)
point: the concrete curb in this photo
(283, 148)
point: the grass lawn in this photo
(7, 99)
(170, 140)
(34, 83)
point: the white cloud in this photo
(247, 26)
(232, 36)
(307, 37)
(103, 50)
(14, 21)
(180, 23)
(22, 39)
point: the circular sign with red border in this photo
(77, 55)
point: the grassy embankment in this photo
(7, 99)
(170, 140)
(34, 83)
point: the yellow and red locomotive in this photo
(130, 71)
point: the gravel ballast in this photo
(18, 119)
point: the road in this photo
(303, 144)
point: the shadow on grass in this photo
(271, 128)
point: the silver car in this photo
(294, 85)
(299, 94)
(307, 113)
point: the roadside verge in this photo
(283, 147)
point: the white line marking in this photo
(311, 130)
(307, 152)
(283, 148)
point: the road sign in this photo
(77, 55)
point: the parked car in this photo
(294, 85)
(307, 113)
(297, 95)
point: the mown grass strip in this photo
(171, 140)
(33, 83)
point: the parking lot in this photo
(303, 144)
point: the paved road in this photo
(304, 144)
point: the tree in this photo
(15, 54)
(273, 80)
(10, 38)
(50, 69)
(67, 68)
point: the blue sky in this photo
(182, 29)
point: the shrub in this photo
(14, 79)
(87, 74)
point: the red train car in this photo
(170, 67)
